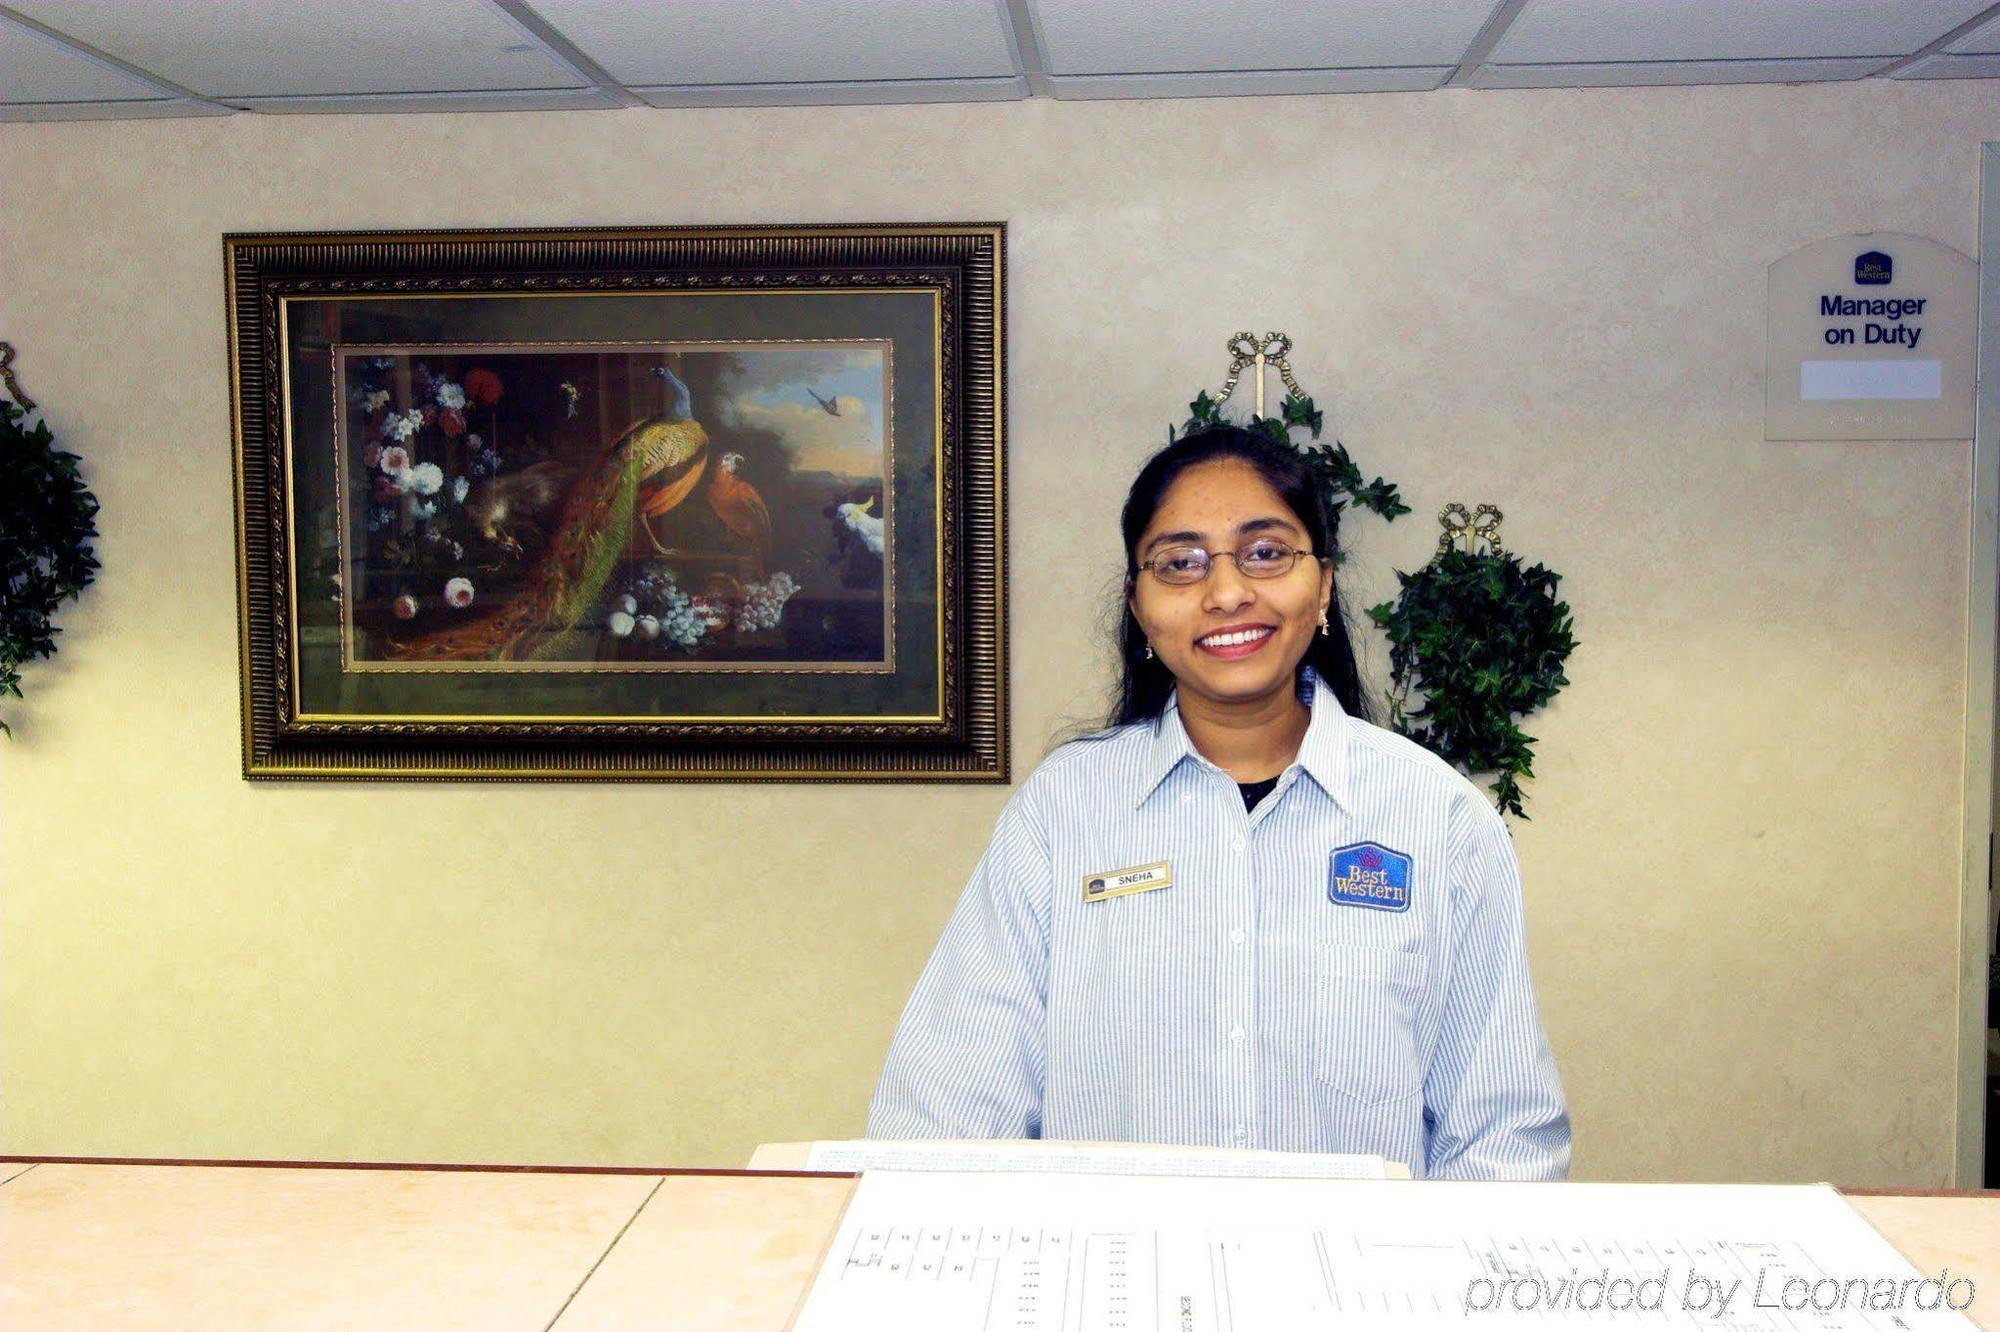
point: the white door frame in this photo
(1982, 628)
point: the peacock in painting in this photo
(645, 473)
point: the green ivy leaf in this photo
(1298, 410)
(47, 520)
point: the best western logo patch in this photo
(1368, 874)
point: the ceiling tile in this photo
(880, 92)
(34, 68)
(267, 48)
(1178, 36)
(119, 110)
(1624, 74)
(693, 43)
(1982, 40)
(1248, 83)
(1548, 31)
(1943, 66)
(302, 56)
(533, 99)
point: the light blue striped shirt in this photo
(1283, 991)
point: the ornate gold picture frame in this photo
(664, 503)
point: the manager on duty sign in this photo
(1871, 337)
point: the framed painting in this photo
(671, 503)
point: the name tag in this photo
(1119, 883)
(1368, 874)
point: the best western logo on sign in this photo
(1871, 337)
(1873, 269)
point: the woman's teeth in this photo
(1232, 640)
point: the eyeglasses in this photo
(1182, 566)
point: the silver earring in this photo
(1149, 649)
(1323, 628)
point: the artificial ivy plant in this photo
(1485, 640)
(47, 521)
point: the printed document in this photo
(1000, 1252)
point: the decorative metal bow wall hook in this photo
(1245, 351)
(1468, 529)
(7, 375)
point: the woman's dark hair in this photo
(1144, 682)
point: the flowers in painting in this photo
(426, 478)
(402, 425)
(419, 463)
(482, 386)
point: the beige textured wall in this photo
(1743, 865)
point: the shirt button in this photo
(1237, 936)
(1236, 1035)
(1242, 1132)
(1187, 797)
(1236, 843)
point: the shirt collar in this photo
(1323, 752)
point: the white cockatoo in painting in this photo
(863, 523)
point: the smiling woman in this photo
(1228, 627)
(1240, 915)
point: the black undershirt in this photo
(1255, 791)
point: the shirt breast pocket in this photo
(1365, 1008)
